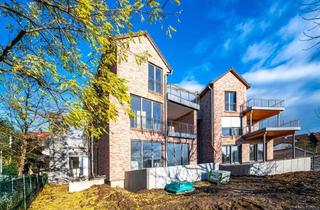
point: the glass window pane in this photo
(151, 77)
(252, 152)
(233, 100)
(185, 154)
(226, 101)
(235, 154)
(178, 155)
(136, 107)
(136, 158)
(157, 154)
(225, 154)
(260, 151)
(158, 81)
(146, 114)
(147, 154)
(157, 116)
(226, 132)
(170, 154)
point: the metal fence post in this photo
(12, 184)
(24, 192)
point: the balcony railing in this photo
(260, 102)
(182, 96)
(272, 123)
(146, 123)
(181, 129)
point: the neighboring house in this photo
(164, 130)
(234, 130)
(68, 156)
(307, 144)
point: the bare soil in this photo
(299, 190)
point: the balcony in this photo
(145, 123)
(181, 130)
(272, 128)
(183, 97)
(258, 109)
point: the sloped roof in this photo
(231, 70)
(147, 35)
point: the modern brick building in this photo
(234, 130)
(163, 132)
(173, 126)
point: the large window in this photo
(256, 152)
(145, 154)
(230, 101)
(148, 114)
(155, 78)
(230, 126)
(231, 154)
(177, 154)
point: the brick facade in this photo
(210, 139)
(112, 153)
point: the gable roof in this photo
(147, 35)
(231, 70)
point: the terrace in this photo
(181, 96)
(257, 109)
(181, 129)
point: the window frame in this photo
(256, 152)
(140, 157)
(228, 149)
(153, 125)
(181, 159)
(227, 103)
(154, 80)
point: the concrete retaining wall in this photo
(269, 167)
(157, 178)
(79, 186)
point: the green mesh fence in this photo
(17, 193)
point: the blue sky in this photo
(262, 40)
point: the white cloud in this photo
(284, 74)
(257, 51)
(245, 28)
(189, 83)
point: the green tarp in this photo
(179, 187)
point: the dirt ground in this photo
(299, 190)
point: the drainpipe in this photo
(166, 122)
(293, 145)
(91, 158)
(212, 118)
(264, 147)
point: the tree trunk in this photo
(22, 156)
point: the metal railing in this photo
(272, 123)
(181, 129)
(260, 102)
(18, 193)
(146, 123)
(182, 96)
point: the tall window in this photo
(177, 154)
(145, 154)
(230, 101)
(231, 154)
(155, 78)
(148, 114)
(256, 152)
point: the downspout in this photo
(212, 118)
(265, 147)
(91, 156)
(166, 120)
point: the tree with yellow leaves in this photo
(65, 49)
